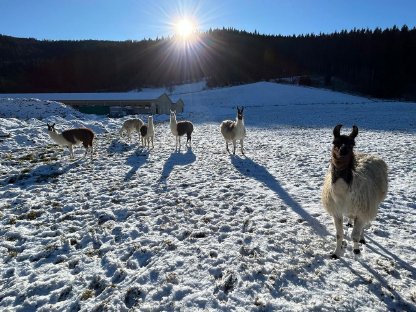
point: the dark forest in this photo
(378, 63)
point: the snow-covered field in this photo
(158, 230)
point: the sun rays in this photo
(185, 29)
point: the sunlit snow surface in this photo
(200, 229)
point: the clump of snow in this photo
(139, 229)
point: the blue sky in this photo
(139, 19)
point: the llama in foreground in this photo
(232, 131)
(131, 125)
(72, 137)
(354, 186)
(148, 132)
(180, 128)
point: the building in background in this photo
(122, 107)
(112, 104)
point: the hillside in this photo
(159, 230)
(378, 63)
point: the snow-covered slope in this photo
(158, 230)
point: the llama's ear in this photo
(337, 130)
(354, 131)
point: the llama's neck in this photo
(240, 124)
(342, 169)
(173, 124)
(150, 125)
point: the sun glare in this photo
(185, 29)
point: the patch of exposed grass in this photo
(87, 294)
(26, 170)
(31, 215)
(29, 157)
(12, 253)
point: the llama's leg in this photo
(362, 239)
(189, 139)
(242, 146)
(339, 237)
(86, 146)
(152, 137)
(179, 140)
(226, 145)
(91, 150)
(357, 234)
(71, 151)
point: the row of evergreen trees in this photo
(378, 63)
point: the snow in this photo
(159, 230)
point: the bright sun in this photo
(185, 29)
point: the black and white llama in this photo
(73, 137)
(180, 128)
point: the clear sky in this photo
(139, 19)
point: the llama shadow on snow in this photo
(394, 302)
(135, 161)
(177, 159)
(117, 147)
(250, 169)
(390, 255)
(42, 174)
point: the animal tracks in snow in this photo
(197, 223)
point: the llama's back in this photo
(227, 129)
(132, 124)
(143, 130)
(371, 174)
(77, 135)
(184, 127)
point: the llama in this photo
(131, 125)
(148, 132)
(234, 130)
(180, 128)
(354, 186)
(72, 137)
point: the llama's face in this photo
(51, 128)
(343, 145)
(172, 114)
(240, 112)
